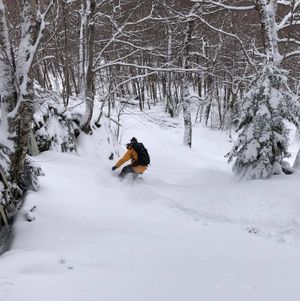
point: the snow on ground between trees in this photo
(186, 231)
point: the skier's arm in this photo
(124, 159)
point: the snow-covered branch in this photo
(149, 68)
(225, 6)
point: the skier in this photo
(138, 154)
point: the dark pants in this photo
(128, 170)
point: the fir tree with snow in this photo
(262, 143)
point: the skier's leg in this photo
(134, 175)
(126, 170)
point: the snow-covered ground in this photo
(186, 231)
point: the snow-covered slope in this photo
(186, 231)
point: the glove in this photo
(114, 168)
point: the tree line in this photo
(229, 64)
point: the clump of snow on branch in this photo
(54, 126)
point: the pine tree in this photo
(263, 134)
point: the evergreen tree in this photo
(263, 134)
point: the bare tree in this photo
(18, 96)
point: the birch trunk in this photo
(87, 76)
(267, 12)
(296, 164)
(186, 105)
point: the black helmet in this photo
(133, 140)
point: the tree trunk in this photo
(186, 106)
(17, 100)
(269, 30)
(8, 95)
(22, 125)
(87, 75)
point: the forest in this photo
(69, 66)
(231, 65)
